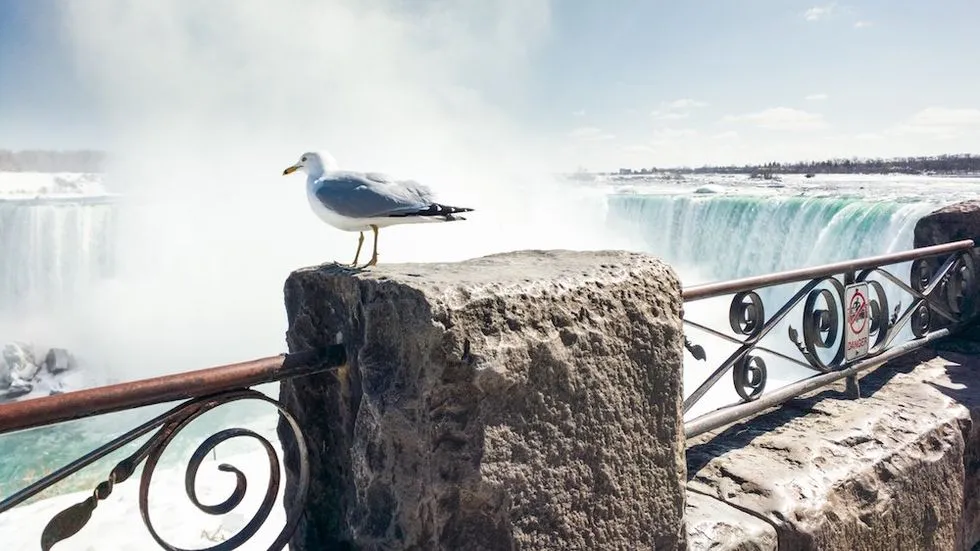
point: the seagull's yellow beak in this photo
(290, 170)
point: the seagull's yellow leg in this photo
(360, 241)
(374, 255)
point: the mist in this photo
(207, 103)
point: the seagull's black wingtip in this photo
(435, 209)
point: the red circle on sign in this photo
(856, 318)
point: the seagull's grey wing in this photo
(369, 195)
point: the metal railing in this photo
(202, 390)
(846, 323)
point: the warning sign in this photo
(857, 325)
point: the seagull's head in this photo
(313, 164)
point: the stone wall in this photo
(896, 469)
(528, 400)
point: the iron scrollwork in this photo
(747, 317)
(822, 325)
(750, 376)
(747, 314)
(68, 522)
(943, 288)
(959, 286)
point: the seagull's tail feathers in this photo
(436, 213)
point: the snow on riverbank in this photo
(36, 185)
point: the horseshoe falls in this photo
(729, 237)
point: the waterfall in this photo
(727, 237)
(52, 250)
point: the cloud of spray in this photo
(207, 102)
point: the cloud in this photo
(669, 116)
(817, 97)
(677, 109)
(685, 103)
(590, 134)
(944, 116)
(579, 113)
(727, 135)
(942, 123)
(781, 118)
(816, 13)
(673, 133)
(639, 148)
(862, 24)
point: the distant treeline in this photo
(51, 161)
(939, 164)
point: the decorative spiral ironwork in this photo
(960, 286)
(943, 285)
(921, 318)
(821, 326)
(747, 314)
(920, 273)
(749, 376)
(73, 519)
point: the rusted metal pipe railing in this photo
(708, 290)
(79, 404)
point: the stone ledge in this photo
(525, 400)
(897, 469)
(713, 525)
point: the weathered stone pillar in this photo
(526, 400)
(951, 223)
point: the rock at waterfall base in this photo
(58, 360)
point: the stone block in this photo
(713, 525)
(529, 400)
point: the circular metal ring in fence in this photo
(821, 326)
(959, 288)
(920, 273)
(747, 314)
(920, 320)
(750, 376)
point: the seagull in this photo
(359, 201)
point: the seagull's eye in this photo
(303, 159)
